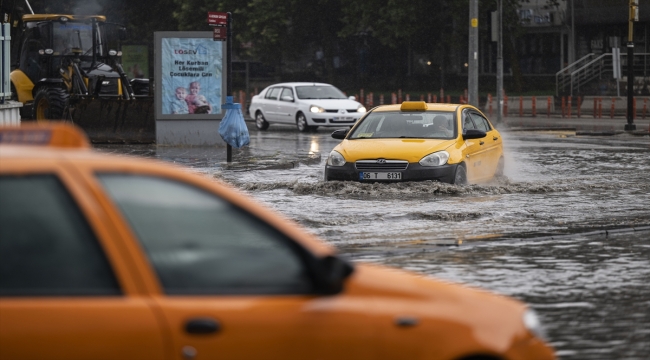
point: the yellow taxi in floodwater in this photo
(417, 141)
(112, 257)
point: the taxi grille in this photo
(381, 165)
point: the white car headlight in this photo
(361, 109)
(435, 159)
(533, 324)
(335, 159)
(316, 109)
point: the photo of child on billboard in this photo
(192, 76)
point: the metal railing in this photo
(563, 77)
(5, 62)
(590, 67)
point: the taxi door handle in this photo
(202, 326)
(481, 142)
(495, 138)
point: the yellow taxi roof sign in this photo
(49, 135)
(413, 106)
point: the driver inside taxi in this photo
(441, 126)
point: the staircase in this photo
(593, 75)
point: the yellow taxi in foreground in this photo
(109, 257)
(417, 141)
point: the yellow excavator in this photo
(68, 67)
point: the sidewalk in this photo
(585, 125)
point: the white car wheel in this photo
(260, 121)
(301, 122)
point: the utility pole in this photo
(472, 71)
(500, 62)
(634, 16)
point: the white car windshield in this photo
(319, 92)
(397, 124)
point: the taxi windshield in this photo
(319, 92)
(408, 125)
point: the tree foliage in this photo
(370, 36)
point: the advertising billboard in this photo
(190, 75)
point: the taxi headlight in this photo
(316, 109)
(533, 324)
(435, 159)
(361, 109)
(335, 159)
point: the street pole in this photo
(500, 63)
(630, 67)
(472, 71)
(229, 72)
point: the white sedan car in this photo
(307, 105)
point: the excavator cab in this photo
(68, 61)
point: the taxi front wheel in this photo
(460, 178)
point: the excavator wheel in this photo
(50, 103)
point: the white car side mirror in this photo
(352, 97)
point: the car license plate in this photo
(342, 118)
(380, 176)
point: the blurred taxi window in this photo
(46, 246)
(201, 244)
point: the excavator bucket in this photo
(116, 121)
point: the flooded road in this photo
(567, 231)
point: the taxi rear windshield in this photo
(397, 124)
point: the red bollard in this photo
(442, 95)
(489, 101)
(548, 107)
(435, 99)
(381, 99)
(569, 108)
(611, 111)
(399, 96)
(521, 106)
(421, 97)
(448, 99)
(563, 106)
(429, 98)
(393, 98)
(600, 108)
(362, 98)
(505, 106)
(534, 105)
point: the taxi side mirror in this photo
(340, 134)
(473, 134)
(332, 272)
